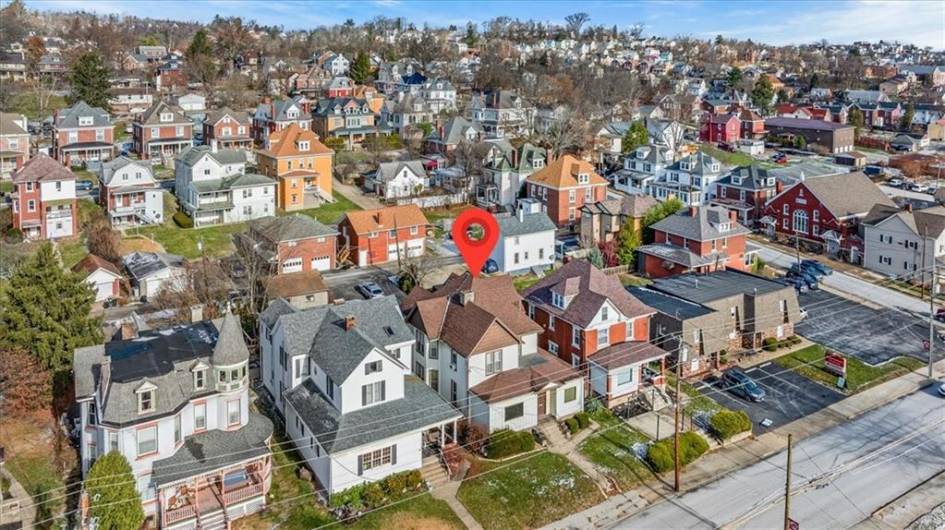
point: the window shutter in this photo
(360, 465)
(383, 390)
(393, 455)
(364, 395)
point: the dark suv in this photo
(738, 383)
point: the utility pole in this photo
(931, 317)
(787, 487)
(797, 248)
(683, 354)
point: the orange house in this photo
(301, 166)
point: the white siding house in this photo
(526, 241)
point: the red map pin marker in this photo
(475, 251)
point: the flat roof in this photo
(703, 288)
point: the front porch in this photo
(231, 493)
(77, 154)
(166, 148)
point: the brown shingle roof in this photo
(366, 221)
(590, 287)
(42, 167)
(295, 284)
(537, 370)
(563, 173)
(92, 263)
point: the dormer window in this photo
(558, 300)
(292, 114)
(583, 178)
(303, 146)
(684, 166)
(714, 168)
(85, 121)
(146, 398)
(167, 117)
(200, 379)
(771, 182)
(736, 180)
(372, 368)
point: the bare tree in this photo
(566, 134)
(416, 269)
(576, 21)
(256, 269)
(204, 282)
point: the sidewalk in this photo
(447, 493)
(727, 459)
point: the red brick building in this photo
(226, 129)
(564, 186)
(44, 200)
(378, 236)
(752, 124)
(295, 243)
(163, 130)
(746, 190)
(700, 239)
(825, 211)
(721, 128)
(82, 133)
(582, 311)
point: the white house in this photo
(641, 167)
(477, 348)
(393, 180)
(339, 374)
(692, 180)
(129, 193)
(175, 404)
(337, 65)
(191, 102)
(505, 170)
(526, 239)
(103, 277)
(213, 188)
(152, 271)
(902, 241)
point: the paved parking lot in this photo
(871, 335)
(789, 396)
(342, 284)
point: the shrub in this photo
(374, 495)
(770, 344)
(414, 479)
(583, 419)
(183, 220)
(351, 497)
(473, 436)
(394, 484)
(505, 443)
(572, 425)
(728, 423)
(723, 357)
(691, 447)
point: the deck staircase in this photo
(212, 521)
(656, 398)
(434, 472)
(552, 433)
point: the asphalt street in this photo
(840, 476)
(789, 396)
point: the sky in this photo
(920, 22)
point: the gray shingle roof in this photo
(703, 226)
(699, 164)
(192, 155)
(213, 450)
(386, 171)
(69, 118)
(140, 265)
(290, 228)
(162, 358)
(846, 194)
(668, 304)
(752, 178)
(230, 348)
(319, 332)
(420, 407)
(153, 115)
(510, 226)
(244, 180)
(214, 116)
(806, 124)
(927, 222)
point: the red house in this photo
(825, 211)
(700, 239)
(340, 87)
(44, 200)
(295, 243)
(380, 236)
(226, 129)
(564, 186)
(721, 128)
(746, 190)
(163, 130)
(752, 124)
(82, 133)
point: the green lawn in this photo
(435, 215)
(329, 213)
(630, 280)
(6, 186)
(72, 251)
(532, 492)
(217, 240)
(612, 450)
(26, 102)
(524, 281)
(696, 402)
(725, 157)
(416, 513)
(860, 375)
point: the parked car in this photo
(941, 390)
(370, 289)
(798, 284)
(803, 313)
(940, 314)
(490, 267)
(809, 279)
(896, 182)
(873, 170)
(740, 384)
(814, 265)
(918, 188)
(84, 185)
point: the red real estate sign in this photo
(836, 364)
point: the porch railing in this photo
(179, 514)
(246, 492)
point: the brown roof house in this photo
(602, 220)
(478, 349)
(301, 289)
(103, 276)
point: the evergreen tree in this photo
(659, 212)
(114, 501)
(762, 93)
(734, 77)
(89, 80)
(361, 68)
(472, 35)
(596, 258)
(199, 45)
(635, 136)
(906, 122)
(628, 239)
(45, 310)
(855, 118)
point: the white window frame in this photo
(230, 411)
(154, 440)
(200, 417)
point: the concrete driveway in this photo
(790, 396)
(871, 335)
(342, 284)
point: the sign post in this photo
(835, 364)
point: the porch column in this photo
(455, 434)
(442, 435)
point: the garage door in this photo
(292, 265)
(321, 263)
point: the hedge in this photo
(691, 447)
(183, 220)
(572, 425)
(770, 344)
(504, 443)
(728, 423)
(583, 419)
(376, 494)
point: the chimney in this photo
(272, 110)
(693, 211)
(778, 186)
(464, 297)
(908, 207)
(733, 215)
(350, 322)
(521, 213)
(196, 313)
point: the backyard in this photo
(329, 213)
(809, 362)
(611, 450)
(529, 492)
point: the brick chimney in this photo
(733, 215)
(778, 186)
(693, 211)
(908, 207)
(350, 322)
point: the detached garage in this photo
(101, 275)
